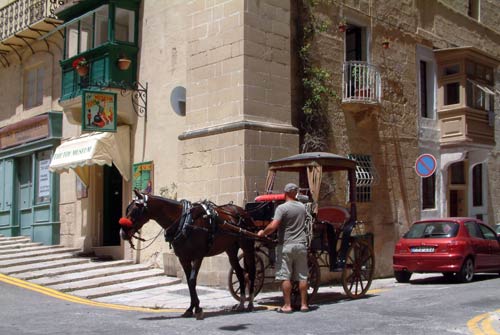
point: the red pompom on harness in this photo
(125, 222)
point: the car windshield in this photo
(435, 229)
(498, 229)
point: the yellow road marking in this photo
(481, 325)
(63, 296)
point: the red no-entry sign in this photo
(425, 165)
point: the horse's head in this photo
(135, 217)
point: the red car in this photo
(456, 247)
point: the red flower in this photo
(79, 62)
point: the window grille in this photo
(366, 177)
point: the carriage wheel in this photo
(313, 280)
(234, 284)
(358, 272)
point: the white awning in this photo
(99, 148)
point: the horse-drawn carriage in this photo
(204, 229)
(335, 241)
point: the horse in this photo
(196, 231)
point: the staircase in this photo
(60, 268)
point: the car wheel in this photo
(466, 273)
(402, 276)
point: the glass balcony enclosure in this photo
(466, 96)
(97, 37)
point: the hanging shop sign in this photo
(99, 111)
(143, 177)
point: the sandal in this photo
(281, 310)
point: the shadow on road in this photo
(440, 279)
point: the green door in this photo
(24, 203)
(112, 201)
(6, 196)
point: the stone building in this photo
(214, 89)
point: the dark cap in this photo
(290, 187)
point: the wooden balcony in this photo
(462, 126)
(361, 86)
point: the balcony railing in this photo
(361, 83)
(21, 14)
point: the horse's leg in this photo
(249, 257)
(187, 267)
(195, 302)
(232, 253)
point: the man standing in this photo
(289, 220)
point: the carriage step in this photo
(131, 286)
(106, 280)
(76, 272)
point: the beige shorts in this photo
(291, 263)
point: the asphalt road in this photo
(425, 306)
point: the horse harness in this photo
(185, 223)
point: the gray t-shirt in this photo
(292, 217)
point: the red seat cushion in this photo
(333, 214)
(270, 197)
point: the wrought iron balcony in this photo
(22, 14)
(361, 84)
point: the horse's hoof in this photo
(200, 315)
(250, 308)
(187, 314)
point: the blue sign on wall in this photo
(425, 165)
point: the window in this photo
(355, 43)
(488, 233)
(477, 185)
(101, 26)
(480, 96)
(424, 105)
(452, 94)
(426, 72)
(473, 9)
(451, 70)
(88, 32)
(33, 87)
(457, 176)
(366, 176)
(473, 229)
(429, 192)
(124, 25)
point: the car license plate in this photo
(422, 249)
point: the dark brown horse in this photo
(196, 231)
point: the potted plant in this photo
(81, 66)
(123, 62)
(385, 43)
(342, 24)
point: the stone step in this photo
(107, 280)
(34, 261)
(130, 286)
(27, 248)
(14, 240)
(44, 251)
(18, 246)
(88, 273)
(18, 269)
(70, 269)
